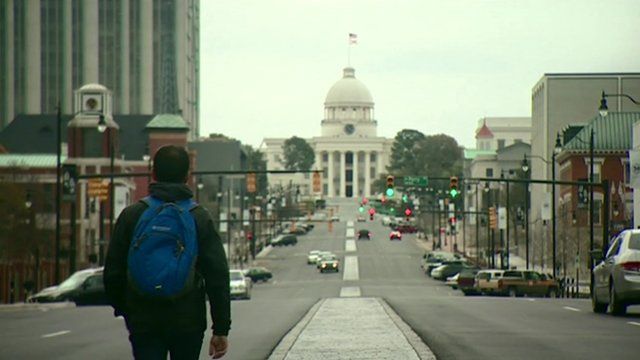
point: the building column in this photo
(8, 88)
(32, 28)
(356, 185)
(317, 165)
(146, 57)
(343, 179)
(367, 174)
(380, 166)
(125, 68)
(90, 42)
(67, 60)
(331, 191)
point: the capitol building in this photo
(348, 151)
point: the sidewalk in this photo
(351, 328)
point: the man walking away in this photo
(163, 258)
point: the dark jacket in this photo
(189, 312)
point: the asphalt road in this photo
(453, 326)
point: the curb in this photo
(264, 252)
(421, 349)
(35, 306)
(283, 347)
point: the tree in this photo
(403, 153)
(438, 156)
(298, 154)
(256, 162)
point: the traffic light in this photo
(493, 218)
(452, 224)
(407, 212)
(390, 191)
(372, 212)
(361, 209)
(365, 201)
(453, 186)
(405, 198)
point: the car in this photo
(284, 240)
(258, 273)
(364, 234)
(312, 256)
(329, 265)
(335, 218)
(395, 235)
(453, 281)
(84, 287)
(406, 228)
(526, 283)
(448, 268)
(239, 285)
(436, 259)
(466, 281)
(486, 281)
(325, 257)
(617, 275)
(361, 218)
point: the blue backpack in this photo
(164, 249)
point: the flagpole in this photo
(349, 54)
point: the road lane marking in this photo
(351, 269)
(350, 233)
(63, 332)
(350, 245)
(350, 223)
(633, 323)
(350, 291)
(570, 308)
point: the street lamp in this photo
(102, 127)
(525, 169)
(556, 150)
(604, 109)
(199, 188)
(147, 158)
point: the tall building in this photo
(146, 51)
(349, 151)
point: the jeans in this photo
(156, 345)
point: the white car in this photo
(313, 256)
(239, 285)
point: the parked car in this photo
(258, 274)
(466, 281)
(361, 218)
(486, 281)
(452, 281)
(448, 268)
(239, 285)
(617, 275)
(406, 228)
(312, 256)
(284, 240)
(364, 234)
(84, 287)
(395, 235)
(329, 265)
(526, 282)
(433, 259)
(335, 218)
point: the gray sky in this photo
(433, 66)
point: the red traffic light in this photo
(407, 212)
(371, 217)
(372, 211)
(365, 200)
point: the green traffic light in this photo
(392, 210)
(361, 209)
(453, 192)
(405, 198)
(390, 192)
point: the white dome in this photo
(348, 91)
(93, 87)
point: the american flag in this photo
(353, 38)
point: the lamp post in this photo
(199, 188)
(102, 127)
(604, 109)
(556, 150)
(525, 169)
(147, 158)
(58, 176)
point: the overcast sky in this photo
(434, 66)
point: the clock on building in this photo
(349, 129)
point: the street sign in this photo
(502, 218)
(583, 195)
(421, 181)
(545, 211)
(98, 189)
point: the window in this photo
(613, 250)
(489, 172)
(325, 172)
(627, 172)
(634, 241)
(372, 173)
(373, 157)
(597, 205)
(500, 143)
(325, 157)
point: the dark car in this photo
(284, 240)
(329, 265)
(466, 281)
(84, 287)
(258, 274)
(364, 234)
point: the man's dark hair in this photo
(171, 164)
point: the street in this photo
(452, 326)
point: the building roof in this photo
(167, 121)
(29, 160)
(470, 154)
(348, 91)
(484, 132)
(35, 134)
(611, 133)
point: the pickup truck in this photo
(526, 283)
